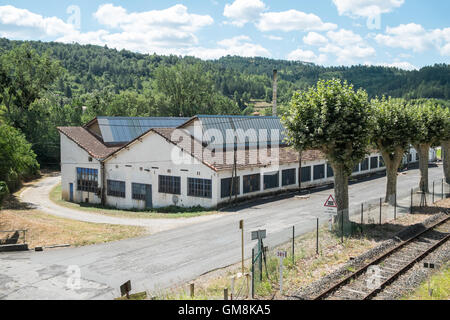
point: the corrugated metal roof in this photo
(249, 130)
(126, 129)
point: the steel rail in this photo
(376, 260)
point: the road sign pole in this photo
(241, 226)
(317, 238)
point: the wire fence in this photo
(316, 234)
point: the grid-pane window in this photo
(330, 172)
(139, 191)
(201, 188)
(381, 162)
(319, 172)
(252, 183)
(169, 184)
(116, 188)
(87, 180)
(417, 156)
(356, 168)
(373, 163)
(288, 177)
(306, 174)
(271, 180)
(225, 187)
(365, 164)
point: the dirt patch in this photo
(48, 230)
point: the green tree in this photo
(445, 143)
(17, 159)
(335, 119)
(24, 77)
(394, 127)
(431, 124)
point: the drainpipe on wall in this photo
(102, 173)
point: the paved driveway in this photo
(173, 256)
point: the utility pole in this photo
(275, 89)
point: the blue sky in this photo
(404, 33)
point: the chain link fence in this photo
(316, 234)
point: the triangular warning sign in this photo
(331, 203)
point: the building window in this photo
(271, 180)
(306, 174)
(417, 156)
(381, 162)
(116, 188)
(225, 187)
(365, 164)
(373, 163)
(169, 184)
(87, 180)
(201, 188)
(288, 177)
(319, 172)
(330, 172)
(252, 183)
(356, 168)
(139, 191)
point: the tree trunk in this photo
(341, 192)
(392, 162)
(445, 154)
(423, 149)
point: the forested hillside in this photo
(44, 85)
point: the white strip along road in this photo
(170, 257)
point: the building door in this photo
(148, 197)
(71, 192)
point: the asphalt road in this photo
(174, 256)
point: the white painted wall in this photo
(145, 161)
(72, 156)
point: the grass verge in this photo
(439, 282)
(48, 230)
(307, 268)
(159, 213)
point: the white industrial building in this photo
(139, 163)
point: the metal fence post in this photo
(293, 245)
(433, 191)
(442, 189)
(317, 237)
(253, 273)
(410, 207)
(395, 205)
(362, 214)
(381, 201)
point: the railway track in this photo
(371, 280)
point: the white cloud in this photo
(307, 56)
(239, 46)
(315, 39)
(149, 31)
(292, 20)
(414, 37)
(274, 38)
(344, 37)
(25, 25)
(366, 8)
(445, 51)
(404, 65)
(348, 47)
(244, 11)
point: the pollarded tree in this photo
(394, 127)
(431, 123)
(445, 144)
(335, 119)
